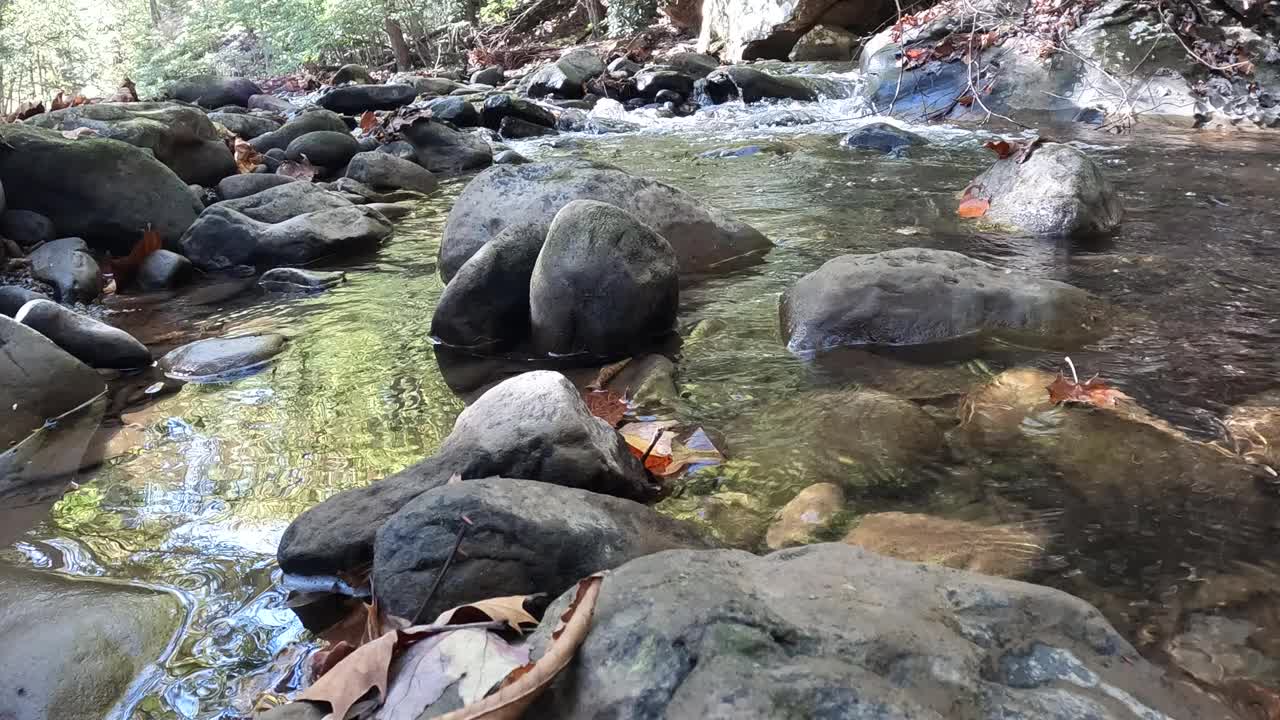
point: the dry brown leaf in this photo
(608, 373)
(79, 132)
(355, 675)
(509, 609)
(606, 405)
(526, 683)
(298, 169)
(1090, 392)
(368, 121)
(247, 158)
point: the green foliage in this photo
(627, 17)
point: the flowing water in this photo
(214, 473)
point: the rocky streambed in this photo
(873, 367)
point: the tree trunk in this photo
(155, 12)
(403, 59)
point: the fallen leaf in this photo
(524, 684)
(59, 102)
(473, 661)
(365, 669)
(509, 609)
(123, 269)
(1002, 148)
(368, 121)
(298, 169)
(606, 405)
(973, 207)
(79, 133)
(674, 451)
(1091, 392)
(324, 660)
(247, 158)
(608, 373)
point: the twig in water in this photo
(652, 445)
(444, 569)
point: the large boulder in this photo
(604, 283)
(314, 120)
(355, 99)
(882, 138)
(283, 201)
(456, 110)
(442, 149)
(527, 537)
(1056, 190)
(325, 148)
(105, 191)
(38, 382)
(1010, 551)
(67, 265)
(502, 105)
(245, 125)
(240, 186)
(566, 77)
(534, 426)
(75, 647)
(26, 228)
(181, 136)
(486, 304)
(831, 631)
(211, 91)
(384, 171)
(756, 30)
(223, 236)
(704, 238)
(915, 296)
(751, 86)
(825, 43)
(93, 342)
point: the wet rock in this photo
(491, 75)
(355, 99)
(245, 125)
(1215, 650)
(392, 210)
(604, 283)
(651, 82)
(26, 228)
(808, 514)
(510, 157)
(1057, 191)
(223, 237)
(95, 343)
(271, 103)
(514, 128)
(104, 191)
(827, 630)
(76, 646)
(916, 296)
(240, 186)
(486, 304)
(566, 76)
(1004, 550)
(497, 107)
(625, 65)
(402, 149)
(284, 201)
(882, 137)
(217, 358)
(425, 84)
(325, 148)
(528, 537)
(825, 43)
(704, 238)
(442, 149)
(39, 381)
(752, 86)
(385, 171)
(697, 65)
(13, 297)
(352, 73)
(455, 110)
(298, 280)
(67, 265)
(211, 91)
(533, 426)
(314, 120)
(164, 269)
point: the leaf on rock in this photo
(607, 405)
(1090, 392)
(123, 269)
(298, 169)
(973, 207)
(473, 661)
(363, 670)
(608, 373)
(406, 117)
(59, 102)
(524, 684)
(674, 451)
(79, 133)
(368, 121)
(508, 609)
(1002, 148)
(247, 158)
(324, 660)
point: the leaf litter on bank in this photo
(247, 158)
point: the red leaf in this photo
(973, 207)
(1090, 392)
(1002, 148)
(368, 121)
(124, 268)
(606, 405)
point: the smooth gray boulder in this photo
(704, 238)
(39, 381)
(384, 171)
(222, 236)
(314, 120)
(1056, 191)
(105, 191)
(456, 110)
(832, 631)
(534, 426)
(164, 270)
(217, 358)
(883, 138)
(915, 296)
(67, 265)
(491, 75)
(26, 228)
(13, 297)
(239, 186)
(325, 148)
(284, 201)
(825, 43)
(95, 343)
(355, 99)
(527, 537)
(442, 149)
(245, 125)
(752, 85)
(604, 283)
(299, 280)
(182, 137)
(211, 91)
(502, 105)
(486, 305)
(565, 77)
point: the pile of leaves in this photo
(385, 126)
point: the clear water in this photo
(214, 473)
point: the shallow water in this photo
(220, 470)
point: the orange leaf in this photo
(1090, 392)
(247, 158)
(606, 405)
(125, 267)
(368, 121)
(509, 609)
(973, 207)
(1002, 148)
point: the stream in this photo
(213, 474)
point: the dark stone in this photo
(26, 228)
(668, 96)
(486, 305)
(284, 201)
(38, 380)
(240, 186)
(491, 75)
(650, 82)
(355, 99)
(95, 343)
(13, 297)
(352, 73)
(325, 148)
(216, 358)
(882, 137)
(211, 91)
(566, 76)
(527, 537)
(271, 103)
(297, 280)
(314, 120)
(497, 107)
(514, 128)
(442, 149)
(164, 269)
(753, 86)
(386, 171)
(244, 125)
(454, 110)
(67, 265)
(223, 237)
(604, 283)
(624, 64)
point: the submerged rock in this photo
(67, 265)
(527, 537)
(604, 283)
(39, 381)
(1056, 191)
(882, 137)
(298, 280)
(807, 514)
(915, 296)
(95, 343)
(1004, 550)
(704, 238)
(829, 630)
(219, 358)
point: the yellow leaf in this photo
(508, 609)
